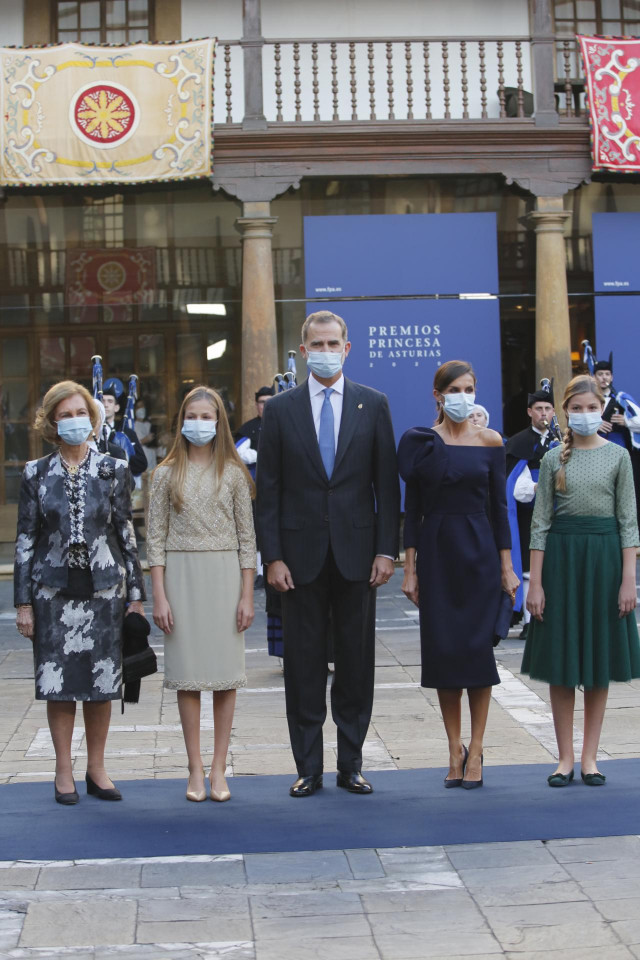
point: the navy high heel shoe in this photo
(474, 784)
(457, 781)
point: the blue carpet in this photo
(408, 808)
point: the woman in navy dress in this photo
(458, 559)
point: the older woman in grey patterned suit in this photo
(76, 568)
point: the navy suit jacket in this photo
(300, 511)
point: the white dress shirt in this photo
(524, 489)
(316, 394)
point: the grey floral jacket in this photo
(42, 542)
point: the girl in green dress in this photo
(582, 591)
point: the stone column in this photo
(553, 334)
(259, 335)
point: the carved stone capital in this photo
(256, 228)
(256, 189)
(547, 221)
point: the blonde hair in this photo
(579, 385)
(44, 422)
(324, 316)
(223, 448)
(445, 375)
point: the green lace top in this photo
(599, 484)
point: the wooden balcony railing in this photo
(373, 79)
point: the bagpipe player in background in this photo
(525, 451)
(620, 417)
(113, 399)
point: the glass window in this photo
(53, 357)
(14, 357)
(80, 353)
(102, 21)
(116, 13)
(49, 330)
(68, 16)
(15, 400)
(189, 353)
(150, 353)
(120, 357)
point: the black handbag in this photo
(138, 659)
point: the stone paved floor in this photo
(573, 898)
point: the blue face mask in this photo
(199, 432)
(325, 364)
(458, 406)
(74, 430)
(585, 424)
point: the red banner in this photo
(612, 69)
(112, 279)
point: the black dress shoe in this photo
(66, 799)
(306, 786)
(109, 793)
(354, 782)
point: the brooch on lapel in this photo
(106, 470)
(359, 406)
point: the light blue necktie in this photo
(326, 435)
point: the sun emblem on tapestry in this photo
(612, 69)
(81, 114)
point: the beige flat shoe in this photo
(196, 796)
(220, 796)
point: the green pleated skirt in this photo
(582, 641)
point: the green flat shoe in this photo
(593, 779)
(560, 779)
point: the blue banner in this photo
(398, 345)
(616, 268)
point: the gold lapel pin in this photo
(359, 406)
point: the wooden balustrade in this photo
(366, 79)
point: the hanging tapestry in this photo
(612, 69)
(111, 279)
(77, 114)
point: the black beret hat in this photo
(264, 392)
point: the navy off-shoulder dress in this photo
(456, 518)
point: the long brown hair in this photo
(580, 384)
(445, 375)
(223, 447)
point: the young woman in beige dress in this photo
(202, 554)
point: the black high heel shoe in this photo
(457, 781)
(474, 784)
(109, 793)
(66, 799)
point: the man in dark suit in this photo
(327, 518)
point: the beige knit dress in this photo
(203, 549)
